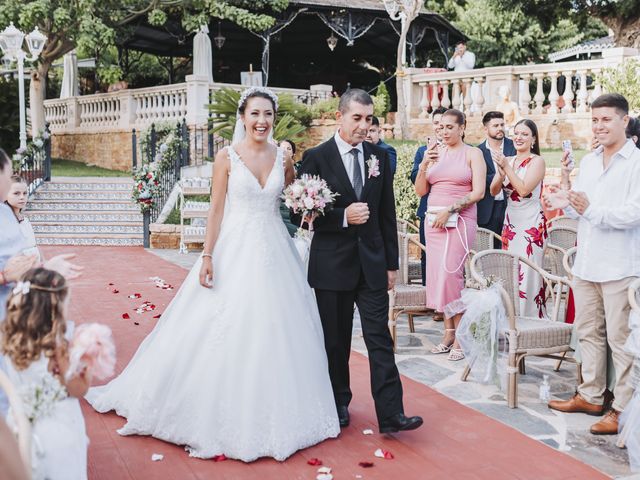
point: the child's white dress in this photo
(59, 440)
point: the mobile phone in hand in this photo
(567, 147)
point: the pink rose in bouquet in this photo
(92, 348)
(308, 195)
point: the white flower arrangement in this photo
(38, 400)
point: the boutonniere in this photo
(374, 166)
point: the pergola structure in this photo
(314, 41)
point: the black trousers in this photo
(496, 220)
(336, 312)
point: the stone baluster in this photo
(467, 96)
(435, 100)
(446, 102)
(424, 100)
(539, 96)
(568, 96)
(553, 93)
(525, 97)
(455, 94)
(478, 102)
(583, 94)
(597, 89)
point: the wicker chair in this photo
(20, 420)
(560, 239)
(634, 301)
(414, 267)
(404, 297)
(562, 221)
(484, 241)
(525, 336)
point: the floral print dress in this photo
(524, 232)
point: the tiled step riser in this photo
(88, 196)
(60, 187)
(41, 230)
(67, 206)
(112, 242)
(57, 218)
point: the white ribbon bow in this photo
(22, 287)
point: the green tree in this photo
(621, 16)
(502, 34)
(94, 24)
(625, 80)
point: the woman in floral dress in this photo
(525, 226)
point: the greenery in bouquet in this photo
(38, 400)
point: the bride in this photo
(236, 365)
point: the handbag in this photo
(432, 213)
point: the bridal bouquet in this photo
(92, 347)
(308, 196)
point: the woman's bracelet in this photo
(3, 279)
(207, 255)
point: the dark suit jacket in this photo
(417, 160)
(485, 206)
(393, 155)
(339, 255)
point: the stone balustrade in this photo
(138, 108)
(557, 96)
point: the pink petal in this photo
(219, 458)
(314, 461)
(126, 316)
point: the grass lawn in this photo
(69, 168)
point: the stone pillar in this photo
(197, 99)
(127, 118)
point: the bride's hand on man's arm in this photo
(206, 272)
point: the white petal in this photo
(379, 453)
(368, 431)
(156, 457)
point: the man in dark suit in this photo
(354, 258)
(491, 209)
(436, 116)
(374, 137)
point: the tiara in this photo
(253, 90)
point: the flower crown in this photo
(25, 287)
(252, 91)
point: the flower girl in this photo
(17, 200)
(37, 355)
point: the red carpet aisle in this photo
(455, 442)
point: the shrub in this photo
(406, 198)
(625, 80)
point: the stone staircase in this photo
(85, 211)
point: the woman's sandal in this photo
(455, 355)
(441, 347)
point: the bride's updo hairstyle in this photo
(259, 92)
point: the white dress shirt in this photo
(347, 159)
(609, 229)
(464, 63)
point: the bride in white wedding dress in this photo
(236, 365)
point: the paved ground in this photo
(456, 440)
(567, 433)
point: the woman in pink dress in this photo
(454, 176)
(525, 226)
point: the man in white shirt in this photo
(606, 201)
(462, 60)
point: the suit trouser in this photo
(602, 317)
(336, 313)
(496, 220)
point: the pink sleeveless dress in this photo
(450, 180)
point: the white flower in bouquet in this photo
(38, 142)
(38, 399)
(164, 147)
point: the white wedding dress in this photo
(239, 369)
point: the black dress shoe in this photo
(400, 422)
(343, 415)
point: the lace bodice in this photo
(245, 195)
